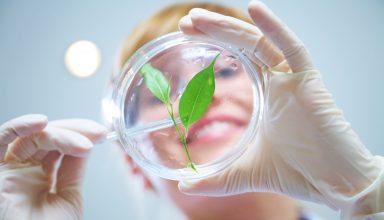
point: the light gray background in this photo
(345, 38)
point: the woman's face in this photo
(220, 128)
(209, 138)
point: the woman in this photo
(285, 164)
(249, 206)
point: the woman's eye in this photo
(227, 72)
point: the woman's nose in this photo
(216, 100)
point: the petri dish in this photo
(218, 138)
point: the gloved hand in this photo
(33, 184)
(305, 148)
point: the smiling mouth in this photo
(214, 130)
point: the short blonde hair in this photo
(166, 21)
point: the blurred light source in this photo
(82, 58)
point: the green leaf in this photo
(198, 95)
(156, 82)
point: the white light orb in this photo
(82, 58)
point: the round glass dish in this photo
(218, 138)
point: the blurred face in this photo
(218, 130)
(211, 137)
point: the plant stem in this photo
(182, 137)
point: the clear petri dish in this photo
(218, 138)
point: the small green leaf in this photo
(198, 95)
(156, 82)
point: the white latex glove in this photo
(305, 148)
(30, 149)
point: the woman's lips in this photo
(213, 129)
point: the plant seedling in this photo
(194, 101)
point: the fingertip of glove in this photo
(82, 142)
(83, 149)
(198, 11)
(255, 4)
(184, 23)
(99, 132)
(63, 140)
(28, 124)
(196, 14)
(37, 117)
(91, 129)
(34, 118)
(256, 7)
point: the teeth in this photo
(217, 126)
